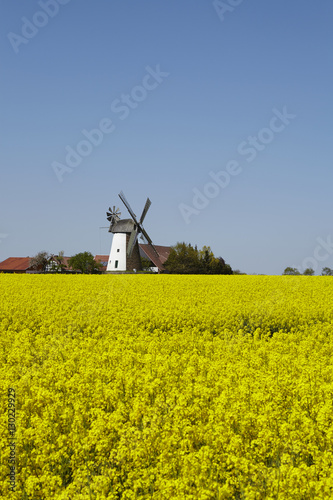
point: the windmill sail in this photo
(132, 241)
(145, 210)
(139, 229)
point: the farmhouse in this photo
(15, 265)
(22, 265)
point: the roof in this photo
(65, 260)
(23, 263)
(103, 259)
(15, 264)
(123, 226)
(162, 251)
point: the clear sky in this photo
(220, 112)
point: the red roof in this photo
(23, 264)
(102, 259)
(162, 251)
(15, 264)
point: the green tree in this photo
(183, 259)
(85, 263)
(217, 265)
(327, 271)
(206, 259)
(308, 272)
(40, 261)
(146, 264)
(224, 268)
(186, 259)
(291, 271)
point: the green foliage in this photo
(186, 259)
(85, 263)
(309, 272)
(291, 271)
(327, 271)
(183, 259)
(145, 264)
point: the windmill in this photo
(125, 254)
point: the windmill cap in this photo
(123, 226)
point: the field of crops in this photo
(166, 387)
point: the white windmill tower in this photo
(125, 253)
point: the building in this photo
(146, 252)
(22, 264)
(15, 265)
(103, 260)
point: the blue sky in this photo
(197, 85)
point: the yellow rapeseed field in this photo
(166, 387)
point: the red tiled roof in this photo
(101, 258)
(162, 251)
(15, 264)
(66, 259)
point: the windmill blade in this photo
(156, 258)
(113, 214)
(127, 205)
(114, 210)
(132, 241)
(145, 234)
(145, 210)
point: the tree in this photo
(85, 263)
(225, 268)
(291, 271)
(218, 266)
(186, 259)
(308, 272)
(183, 259)
(327, 271)
(146, 264)
(40, 261)
(206, 258)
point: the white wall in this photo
(117, 253)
